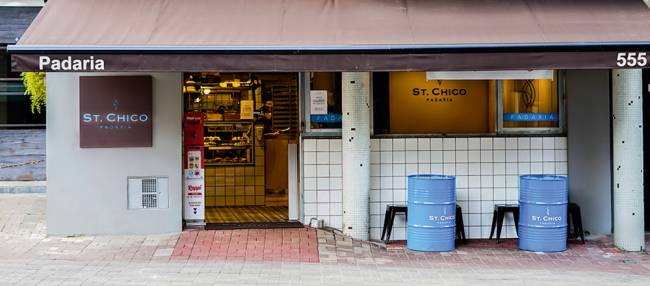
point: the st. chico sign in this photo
(115, 111)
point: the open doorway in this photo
(249, 121)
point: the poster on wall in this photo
(194, 187)
(421, 106)
(246, 109)
(115, 111)
(318, 101)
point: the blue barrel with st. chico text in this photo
(431, 213)
(543, 203)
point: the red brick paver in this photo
(289, 244)
(596, 255)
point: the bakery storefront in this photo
(297, 112)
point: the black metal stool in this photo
(392, 210)
(576, 220)
(498, 215)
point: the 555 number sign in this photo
(632, 59)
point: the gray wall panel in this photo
(588, 119)
(87, 191)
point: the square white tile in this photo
(386, 157)
(323, 145)
(310, 171)
(309, 145)
(461, 144)
(424, 144)
(474, 143)
(449, 144)
(436, 144)
(411, 156)
(411, 144)
(322, 170)
(499, 143)
(399, 144)
(386, 144)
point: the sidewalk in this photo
(28, 257)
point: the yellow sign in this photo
(418, 106)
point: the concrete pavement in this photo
(28, 257)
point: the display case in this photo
(229, 143)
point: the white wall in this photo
(87, 191)
(590, 147)
(487, 172)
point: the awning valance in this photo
(295, 35)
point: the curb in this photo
(29, 187)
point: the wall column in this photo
(627, 123)
(356, 153)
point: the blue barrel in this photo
(543, 213)
(431, 213)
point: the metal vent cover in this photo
(148, 192)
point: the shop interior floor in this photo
(246, 214)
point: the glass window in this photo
(409, 103)
(533, 104)
(15, 107)
(323, 102)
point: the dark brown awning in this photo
(295, 35)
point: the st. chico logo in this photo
(115, 119)
(442, 218)
(547, 218)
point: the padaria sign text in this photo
(70, 64)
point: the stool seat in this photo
(392, 210)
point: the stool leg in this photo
(460, 225)
(579, 230)
(386, 217)
(571, 220)
(390, 226)
(500, 217)
(515, 214)
(494, 223)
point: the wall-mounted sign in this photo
(115, 111)
(326, 118)
(421, 106)
(530, 117)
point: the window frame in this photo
(306, 114)
(561, 129)
(499, 128)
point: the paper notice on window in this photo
(318, 101)
(246, 109)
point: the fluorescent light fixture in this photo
(488, 75)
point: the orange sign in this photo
(418, 106)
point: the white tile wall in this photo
(487, 172)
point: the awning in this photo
(345, 35)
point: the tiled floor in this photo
(291, 244)
(245, 214)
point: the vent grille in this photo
(148, 192)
